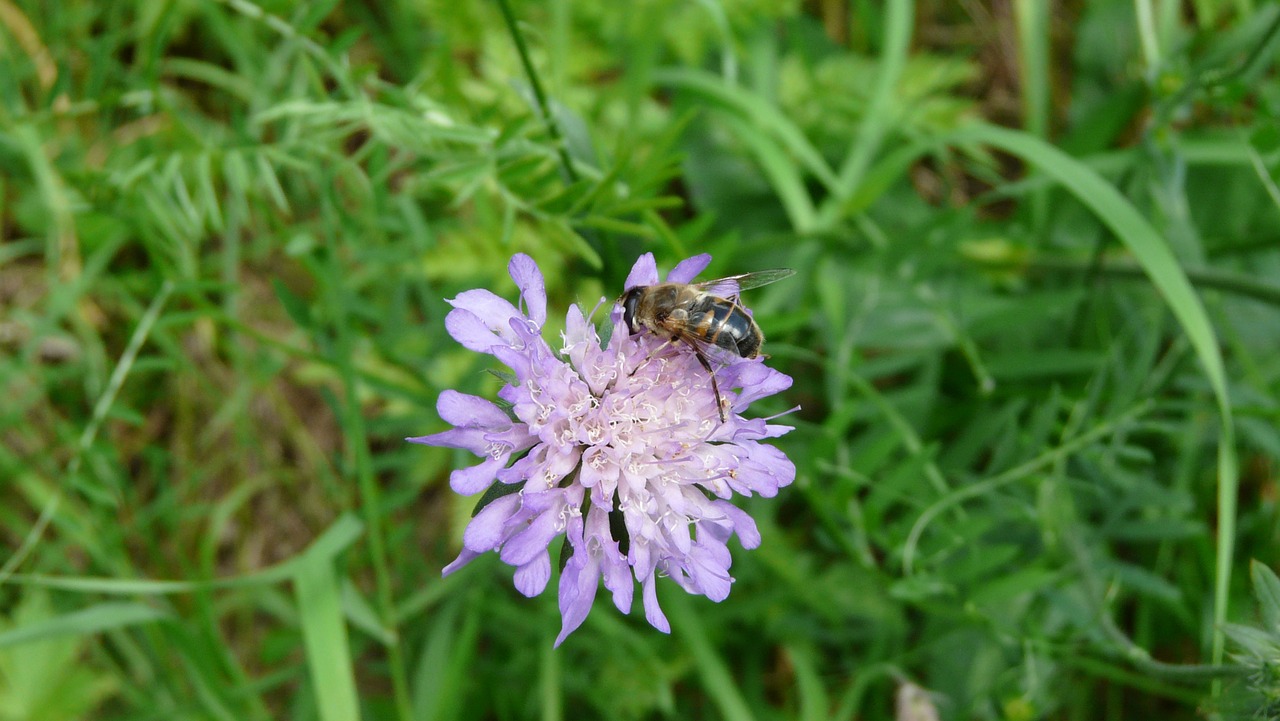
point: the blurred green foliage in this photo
(1033, 334)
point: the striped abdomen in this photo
(724, 324)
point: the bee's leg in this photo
(652, 353)
(715, 386)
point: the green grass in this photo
(1033, 332)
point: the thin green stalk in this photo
(611, 263)
(1264, 175)
(116, 381)
(1010, 476)
(1033, 63)
(544, 109)
(1218, 76)
(550, 682)
(29, 541)
(1118, 677)
(1203, 278)
(1135, 654)
(1147, 34)
(1033, 50)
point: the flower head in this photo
(620, 449)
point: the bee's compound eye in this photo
(630, 300)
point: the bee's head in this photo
(629, 301)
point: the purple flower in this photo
(620, 449)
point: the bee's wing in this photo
(712, 352)
(735, 284)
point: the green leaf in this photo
(296, 307)
(782, 173)
(43, 674)
(324, 635)
(362, 614)
(1266, 586)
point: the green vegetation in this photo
(1034, 333)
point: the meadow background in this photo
(1034, 333)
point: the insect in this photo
(706, 316)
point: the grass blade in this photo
(716, 677)
(93, 619)
(750, 108)
(324, 634)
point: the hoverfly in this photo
(707, 316)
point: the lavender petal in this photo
(743, 524)
(534, 539)
(486, 530)
(578, 585)
(689, 268)
(470, 481)
(466, 556)
(470, 331)
(531, 578)
(493, 309)
(468, 411)
(708, 568)
(470, 439)
(533, 288)
(652, 611)
(644, 272)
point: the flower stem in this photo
(539, 96)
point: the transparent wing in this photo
(735, 284)
(717, 356)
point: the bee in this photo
(707, 317)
